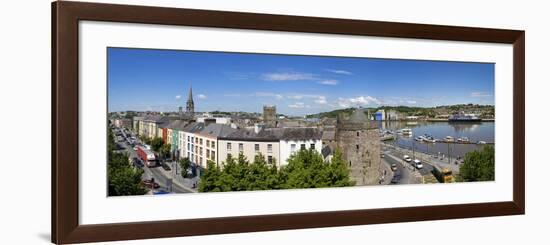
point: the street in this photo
(161, 176)
(407, 177)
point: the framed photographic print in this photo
(175, 122)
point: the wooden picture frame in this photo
(65, 121)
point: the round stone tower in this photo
(358, 139)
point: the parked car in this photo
(137, 162)
(418, 164)
(150, 184)
(407, 158)
(394, 167)
(166, 167)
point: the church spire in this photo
(190, 106)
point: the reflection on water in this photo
(480, 131)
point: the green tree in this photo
(165, 150)
(210, 178)
(157, 143)
(479, 165)
(185, 163)
(123, 179)
(306, 169)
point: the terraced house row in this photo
(201, 141)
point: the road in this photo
(407, 177)
(161, 176)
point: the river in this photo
(481, 131)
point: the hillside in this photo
(486, 111)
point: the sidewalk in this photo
(184, 183)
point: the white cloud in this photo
(298, 105)
(411, 101)
(288, 76)
(178, 97)
(202, 96)
(295, 97)
(342, 72)
(267, 94)
(329, 82)
(480, 94)
(358, 101)
(322, 100)
(232, 95)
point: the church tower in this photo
(190, 106)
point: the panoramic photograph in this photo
(201, 121)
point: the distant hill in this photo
(486, 111)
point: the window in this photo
(270, 159)
(302, 146)
(357, 133)
(188, 138)
(188, 146)
(200, 160)
(241, 147)
(200, 151)
(213, 156)
(269, 148)
(207, 153)
(200, 141)
(228, 146)
(357, 147)
(312, 146)
(208, 143)
(256, 147)
(228, 156)
(292, 147)
(213, 144)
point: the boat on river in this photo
(463, 140)
(406, 132)
(463, 117)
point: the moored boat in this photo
(463, 139)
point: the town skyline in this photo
(158, 80)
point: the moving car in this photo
(394, 167)
(417, 164)
(407, 158)
(396, 178)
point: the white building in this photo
(292, 140)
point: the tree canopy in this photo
(479, 165)
(305, 169)
(123, 179)
(157, 143)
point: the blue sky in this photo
(144, 79)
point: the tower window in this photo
(357, 133)
(357, 147)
